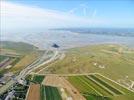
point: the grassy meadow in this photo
(111, 60)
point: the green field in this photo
(121, 88)
(38, 78)
(52, 93)
(111, 60)
(87, 88)
(43, 93)
(106, 86)
(94, 87)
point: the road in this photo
(60, 56)
(36, 64)
(39, 62)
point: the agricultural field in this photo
(17, 55)
(111, 60)
(66, 89)
(52, 93)
(7, 62)
(54, 87)
(38, 78)
(14, 64)
(33, 92)
(46, 92)
(79, 75)
(25, 61)
(95, 86)
(49, 93)
(43, 92)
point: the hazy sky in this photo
(25, 15)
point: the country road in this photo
(37, 64)
(60, 56)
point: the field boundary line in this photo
(90, 86)
(89, 95)
(44, 92)
(115, 82)
(111, 85)
(103, 87)
(27, 93)
(88, 74)
(64, 75)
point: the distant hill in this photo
(102, 31)
(17, 46)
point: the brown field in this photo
(34, 92)
(57, 81)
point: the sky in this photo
(35, 15)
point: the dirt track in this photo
(53, 80)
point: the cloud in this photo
(22, 17)
(72, 10)
(81, 8)
(94, 13)
(84, 7)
